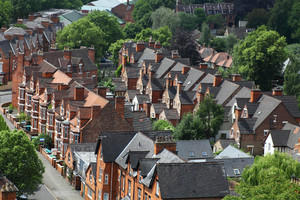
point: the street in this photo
(55, 187)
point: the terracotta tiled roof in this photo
(60, 77)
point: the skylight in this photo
(192, 154)
(237, 172)
(204, 153)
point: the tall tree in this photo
(269, 178)
(187, 21)
(201, 16)
(218, 44)
(260, 56)
(291, 84)
(294, 22)
(108, 25)
(82, 32)
(188, 129)
(279, 16)
(217, 20)
(23, 7)
(3, 125)
(6, 12)
(162, 34)
(19, 161)
(165, 17)
(131, 29)
(205, 34)
(114, 50)
(186, 46)
(257, 17)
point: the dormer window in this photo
(236, 172)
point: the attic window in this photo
(204, 153)
(236, 172)
(192, 154)
(259, 113)
(275, 119)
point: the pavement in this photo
(55, 187)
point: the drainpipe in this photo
(111, 179)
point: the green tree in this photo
(6, 12)
(187, 21)
(82, 32)
(279, 17)
(19, 161)
(201, 16)
(161, 125)
(219, 44)
(118, 71)
(65, 4)
(109, 84)
(131, 29)
(23, 26)
(108, 25)
(165, 17)
(294, 21)
(269, 178)
(188, 128)
(260, 56)
(23, 7)
(291, 84)
(257, 17)
(47, 140)
(3, 125)
(114, 50)
(205, 34)
(217, 20)
(210, 115)
(162, 34)
(231, 40)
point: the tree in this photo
(210, 115)
(19, 161)
(3, 125)
(165, 17)
(82, 33)
(187, 21)
(183, 42)
(118, 71)
(279, 17)
(294, 22)
(66, 4)
(201, 16)
(205, 34)
(205, 123)
(219, 44)
(217, 20)
(260, 56)
(188, 128)
(291, 84)
(23, 7)
(6, 11)
(162, 34)
(23, 26)
(47, 140)
(231, 40)
(257, 17)
(269, 178)
(114, 50)
(161, 125)
(108, 25)
(131, 29)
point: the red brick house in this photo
(8, 189)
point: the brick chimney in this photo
(79, 93)
(20, 21)
(91, 53)
(179, 87)
(255, 94)
(67, 53)
(217, 80)
(237, 113)
(158, 56)
(8, 190)
(203, 66)
(31, 17)
(47, 74)
(146, 107)
(151, 42)
(168, 82)
(175, 54)
(45, 23)
(95, 111)
(140, 46)
(157, 45)
(54, 18)
(102, 91)
(185, 69)
(40, 57)
(277, 92)
(236, 77)
(119, 105)
(53, 48)
(164, 142)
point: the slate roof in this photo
(290, 102)
(226, 142)
(232, 152)
(171, 114)
(193, 77)
(148, 54)
(294, 134)
(141, 98)
(5, 46)
(246, 125)
(242, 93)
(280, 137)
(251, 107)
(132, 93)
(232, 164)
(186, 97)
(113, 144)
(194, 149)
(132, 72)
(141, 122)
(147, 164)
(82, 147)
(166, 65)
(205, 52)
(182, 176)
(15, 30)
(134, 157)
(227, 89)
(158, 107)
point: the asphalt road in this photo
(54, 187)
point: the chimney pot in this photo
(277, 92)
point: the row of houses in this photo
(150, 165)
(165, 86)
